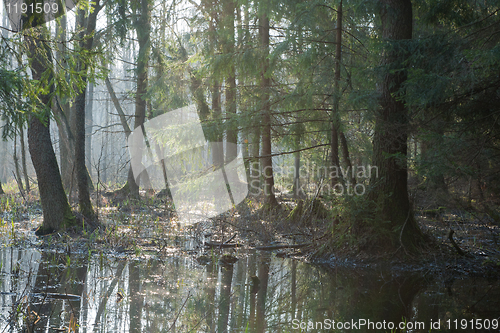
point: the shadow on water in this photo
(49, 292)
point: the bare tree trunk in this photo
(88, 127)
(336, 97)
(86, 43)
(23, 160)
(232, 128)
(64, 112)
(143, 28)
(255, 172)
(56, 210)
(16, 167)
(266, 159)
(1, 189)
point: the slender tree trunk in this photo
(255, 166)
(16, 167)
(336, 97)
(66, 144)
(1, 188)
(56, 210)
(232, 128)
(265, 83)
(390, 138)
(23, 160)
(86, 43)
(143, 28)
(88, 127)
(347, 159)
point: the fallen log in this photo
(222, 245)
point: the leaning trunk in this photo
(56, 210)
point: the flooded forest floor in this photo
(149, 227)
(243, 271)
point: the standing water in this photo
(50, 292)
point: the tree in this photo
(398, 227)
(265, 85)
(1, 188)
(143, 29)
(56, 210)
(86, 43)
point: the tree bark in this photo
(232, 128)
(336, 97)
(56, 210)
(86, 43)
(16, 167)
(265, 85)
(23, 160)
(347, 159)
(143, 28)
(390, 138)
(88, 127)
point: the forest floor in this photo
(149, 228)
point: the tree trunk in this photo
(265, 84)
(16, 167)
(347, 159)
(255, 172)
(232, 128)
(86, 43)
(56, 210)
(1, 189)
(390, 138)
(23, 160)
(143, 28)
(336, 98)
(88, 127)
(64, 112)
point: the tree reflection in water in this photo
(257, 293)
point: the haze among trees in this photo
(371, 111)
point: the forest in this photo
(249, 166)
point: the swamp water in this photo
(51, 292)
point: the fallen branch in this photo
(221, 245)
(283, 246)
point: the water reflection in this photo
(47, 291)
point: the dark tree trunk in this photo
(56, 210)
(1, 189)
(86, 43)
(265, 84)
(347, 159)
(336, 97)
(390, 139)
